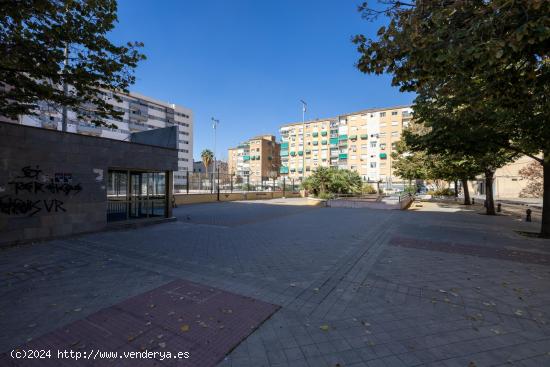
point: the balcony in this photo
(315, 134)
(284, 153)
(246, 157)
(136, 126)
(324, 142)
(323, 133)
(300, 152)
(353, 137)
(293, 153)
(364, 136)
(283, 169)
(91, 130)
(315, 143)
(383, 156)
(343, 137)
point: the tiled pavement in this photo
(358, 287)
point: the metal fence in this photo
(210, 183)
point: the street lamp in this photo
(215, 123)
(304, 108)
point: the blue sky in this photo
(249, 62)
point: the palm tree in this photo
(207, 156)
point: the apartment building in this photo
(198, 167)
(361, 141)
(258, 157)
(140, 113)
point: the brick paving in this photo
(350, 296)
(178, 316)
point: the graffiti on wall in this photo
(32, 181)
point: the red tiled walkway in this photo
(180, 316)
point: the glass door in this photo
(136, 195)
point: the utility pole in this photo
(215, 123)
(65, 87)
(304, 107)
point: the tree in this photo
(534, 176)
(47, 45)
(325, 180)
(489, 58)
(207, 157)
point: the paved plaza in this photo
(436, 285)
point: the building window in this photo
(382, 114)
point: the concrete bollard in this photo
(499, 207)
(528, 215)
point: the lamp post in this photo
(304, 108)
(215, 123)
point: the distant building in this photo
(507, 182)
(258, 157)
(141, 113)
(361, 141)
(198, 167)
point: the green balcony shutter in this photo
(315, 143)
(343, 137)
(323, 133)
(315, 134)
(324, 142)
(343, 156)
(333, 141)
(364, 136)
(383, 156)
(353, 137)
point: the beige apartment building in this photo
(507, 183)
(258, 158)
(361, 141)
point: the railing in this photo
(210, 183)
(120, 210)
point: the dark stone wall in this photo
(54, 184)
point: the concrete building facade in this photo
(141, 113)
(198, 167)
(258, 157)
(56, 183)
(361, 141)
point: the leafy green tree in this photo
(51, 44)
(325, 180)
(488, 59)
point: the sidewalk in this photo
(437, 285)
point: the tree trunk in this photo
(466, 192)
(490, 203)
(545, 227)
(456, 188)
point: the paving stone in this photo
(386, 287)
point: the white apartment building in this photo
(140, 113)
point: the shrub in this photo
(442, 192)
(368, 189)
